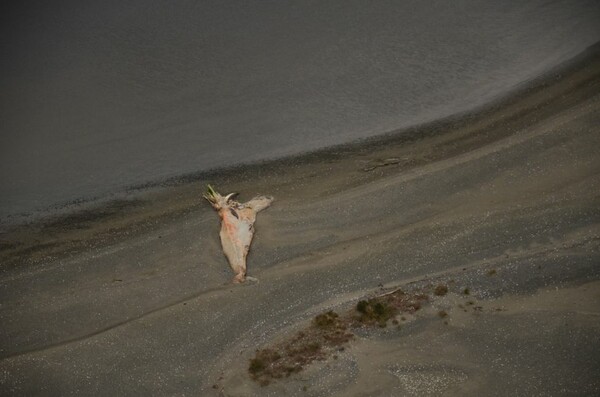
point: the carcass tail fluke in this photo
(211, 195)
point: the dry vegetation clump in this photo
(375, 312)
(440, 290)
(327, 333)
(380, 309)
(327, 320)
(406, 302)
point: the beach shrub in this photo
(375, 311)
(327, 335)
(326, 320)
(440, 290)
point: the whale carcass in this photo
(237, 227)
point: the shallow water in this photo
(95, 98)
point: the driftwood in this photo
(237, 227)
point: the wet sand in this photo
(133, 297)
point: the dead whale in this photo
(237, 227)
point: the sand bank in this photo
(133, 297)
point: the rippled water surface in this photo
(97, 96)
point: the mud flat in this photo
(132, 297)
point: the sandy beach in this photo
(133, 297)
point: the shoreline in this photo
(144, 200)
(404, 135)
(135, 295)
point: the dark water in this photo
(97, 96)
